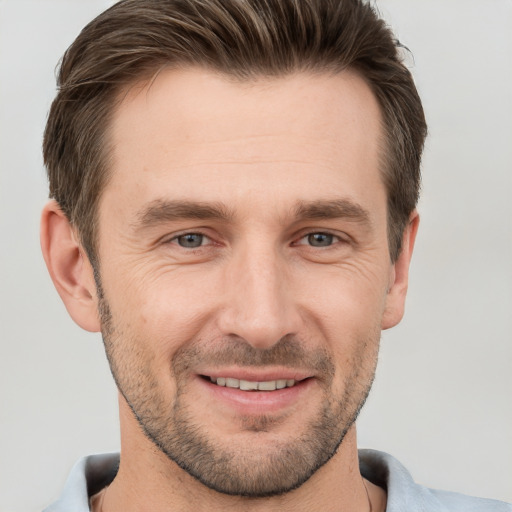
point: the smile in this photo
(247, 385)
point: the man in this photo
(234, 188)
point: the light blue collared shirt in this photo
(93, 473)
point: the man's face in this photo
(243, 244)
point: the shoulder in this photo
(404, 495)
(461, 503)
(88, 476)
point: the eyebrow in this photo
(160, 211)
(332, 209)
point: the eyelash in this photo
(175, 239)
(334, 239)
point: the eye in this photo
(319, 239)
(191, 240)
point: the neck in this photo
(148, 480)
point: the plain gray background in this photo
(441, 402)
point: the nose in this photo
(259, 305)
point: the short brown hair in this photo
(244, 39)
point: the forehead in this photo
(195, 134)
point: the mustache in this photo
(288, 352)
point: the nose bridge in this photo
(259, 307)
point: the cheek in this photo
(347, 313)
(162, 309)
(346, 299)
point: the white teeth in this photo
(267, 386)
(247, 385)
(280, 384)
(232, 383)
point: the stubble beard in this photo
(263, 468)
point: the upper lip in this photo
(257, 375)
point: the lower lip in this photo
(257, 402)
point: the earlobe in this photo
(69, 267)
(399, 276)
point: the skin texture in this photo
(277, 182)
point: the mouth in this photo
(251, 385)
(255, 393)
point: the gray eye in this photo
(191, 240)
(320, 239)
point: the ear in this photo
(69, 267)
(399, 276)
